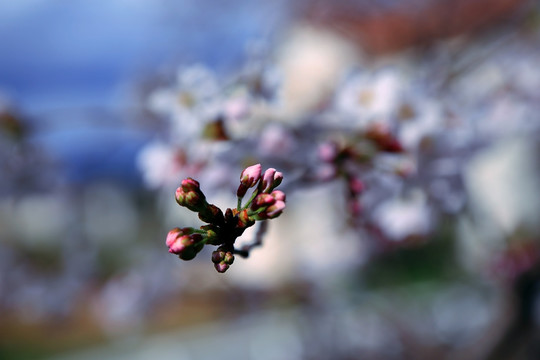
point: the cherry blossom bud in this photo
(275, 210)
(261, 201)
(244, 221)
(177, 232)
(278, 195)
(184, 243)
(172, 236)
(190, 195)
(274, 203)
(222, 259)
(278, 178)
(229, 216)
(218, 255)
(179, 244)
(221, 267)
(190, 184)
(251, 175)
(270, 180)
(242, 190)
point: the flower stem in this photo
(255, 193)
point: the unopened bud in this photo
(180, 243)
(275, 210)
(278, 195)
(271, 179)
(172, 236)
(242, 190)
(244, 221)
(278, 178)
(190, 184)
(250, 175)
(229, 216)
(221, 267)
(261, 201)
(218, 256)
(229, 258)
(190, 195)
(222, 259)
(186, 246)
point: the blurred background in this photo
(407, 133)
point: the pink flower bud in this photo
(244, 221)
(172, 236)
(275, 210)
(221, 267)
(278, 195)
(218, 256)
(190, 184)
(180, 243)
(270, 180)
(262, 200)
(251, 175)
(222, 259)
(229, 258)
(190, 195)
(278, 178)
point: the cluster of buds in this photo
(223, 228)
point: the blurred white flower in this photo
(370, 97)
(190, 104)
(160, 164)
(426, 120)
(401, 218)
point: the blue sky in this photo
(59, 58)
(74, 51)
